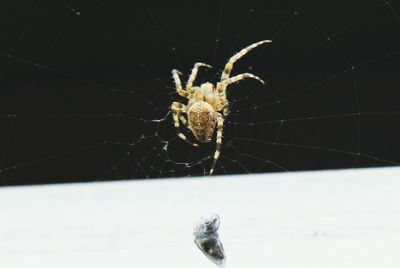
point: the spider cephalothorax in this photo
(206, 102)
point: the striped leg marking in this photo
(229, 66)
(177, 110)
(221, 86)
(178, 83)
(220, 125)
(193, 75)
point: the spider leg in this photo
(225, 110)
(177, 110)
(234, 58)
(220, 125)
(221, 86)
(193, 75)
(178, 83)
(183, 120)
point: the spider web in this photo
(87, 87)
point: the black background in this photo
(83, 81)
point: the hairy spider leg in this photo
(178, 83)
(225, 110)
(177, 109)
(220, 125)
(229, 65)
(221, 87)
(183, 120)
(193, 75)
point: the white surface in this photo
(311, 219)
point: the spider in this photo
(206, 102)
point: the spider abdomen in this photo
(202, 120)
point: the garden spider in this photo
(205, 102)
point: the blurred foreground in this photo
(348, 218)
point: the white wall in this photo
(342, 219)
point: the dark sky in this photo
(86, 87)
